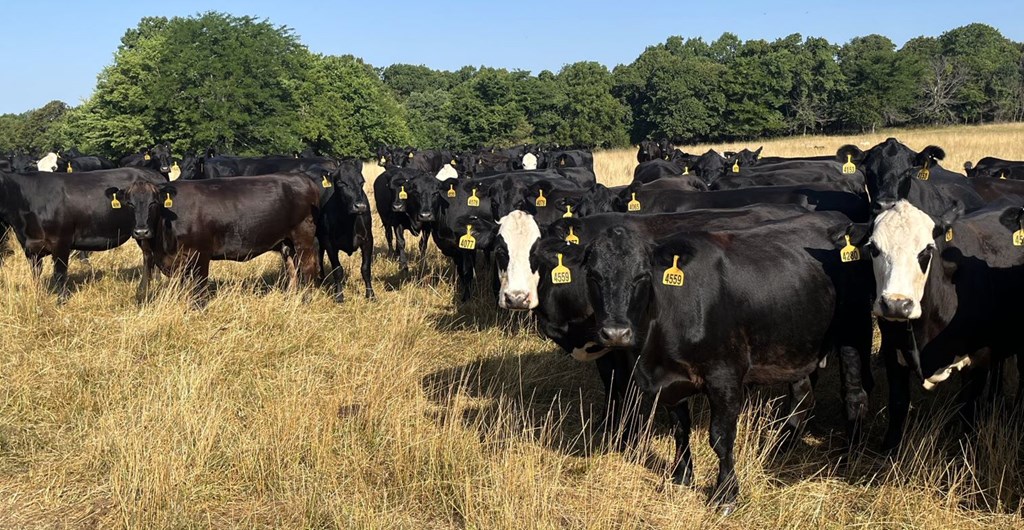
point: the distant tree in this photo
(991, 65)
(590, 114)
(407, 79)
(485, 110)
(881, 84)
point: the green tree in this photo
(590, 114)
(881, 84)
(991, 65)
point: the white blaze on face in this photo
(48, 163)
(529, 161)
(447, 172)
(519, 232)
(900, 235)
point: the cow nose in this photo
(165, 169)
(426, 216)
(517, 300)
(142, 233)
(896, 308)
(359, 207)
(398, 206)
(616, 336)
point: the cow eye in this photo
(924, 258)
(872, 249)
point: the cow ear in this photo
(929, 155)
(905, 184)
(854, 152)
(169, 189)
(483, 229)
(757, 154)
(946, 220)
(560, 228)
(1012, 218)
(857, 232)
(109, 192)
(664, 256)
(540, 185)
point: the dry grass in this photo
(411, 412)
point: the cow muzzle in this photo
(516, 300)
(426, 216)
(891, 307)
(142, 233)
(616, 336)
(360, 207)
(398, 206)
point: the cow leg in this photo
(801, 402)
(725, 394)
(974, 380)
(200, 272)
(614, 370)
(142, 293)
(465, 262)
(424, 239)
(682, 467)
(899, 398)
(60, 273)
(403, 260)
(856, 397)
(366, 253)
(337, 275)
(387, 237)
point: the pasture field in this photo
(413, 412)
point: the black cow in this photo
(391, 195)
(709, 166)
(705, 312)
(517, 190)
(55, 213)
(158, 158)
(84, 163)
(650, 150)
(345, 224)
(996, 168)
(230, 166)
(459, 202)
(567, 158)
(826, 173)
(182, 226)
(582, 202)
(662, 169)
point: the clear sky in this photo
(59, 56)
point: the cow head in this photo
(192, 167)
(146, 201)
(648, 150)
(423, 197)
(903, 245)
(508, 195)
(162, 153)
(887, 161)
(348, 184)
(517, 233)
(618, 271)
(563, 304)
(709, 167)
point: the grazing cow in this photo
(182, 226)
(673, 303)
(55, 213)
(996, 168)
(391, 195)
(345, 224)
(946, 296)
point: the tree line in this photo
(244, 85)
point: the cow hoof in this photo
(683, 477)
(370, 295)
(727, 508)
(339, 298)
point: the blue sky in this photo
(62, 62)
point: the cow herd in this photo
(705, 274)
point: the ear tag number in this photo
(633, 205)
(572, 238)
(849, 167)
(673, 276)
(849, 252)
(568, 211)
(168, 202)
(541, 201)
(1018, 238)
(949, 234)
(561, 274)
(114, 203)
(451, 191)
(473, 200)
(924, 174)
(402, 195)
(468, 242)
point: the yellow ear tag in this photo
(473, 199)
(325, 183)
(147, 157)
(382, 161)
(924, 173)
(412, 155)
(568, 211)
(849, 167)
(949, 234)
(453, 162)
(736, 167)
(1018, 237)
(633, 205)
(561, 273)
(168, 202)
(849, 252)
(69, 168)
(114, 203)
(451, 191)
(541, 202)
(572, 239)
(686, 170)
(673, 276)
(468, 242)
(1002, 176)
(175, 171)
(402, 195)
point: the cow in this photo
(392, 198)
(182, 226)
(946, 295)
(568, 158)
(426, 160)
(649, 150)
(459, 202)
(826, 172)
(672, 303)
(709, 166)
(996, 168)
(157, 157)
(54, 213)
(345, 224)
(515, 190)
(22, 163)
(229, 166)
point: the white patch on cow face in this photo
(590, 351)
(941, 375)
(48, 163)
(901, 236)
(518, 281)
(529, 161)
(447, 172)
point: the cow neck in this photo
(937, 291)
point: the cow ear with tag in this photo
(112, 194)
(477, 232)
(849, 240)
(670, 261)
(1013, 220)
(944, 223)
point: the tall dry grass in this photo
(414, 412)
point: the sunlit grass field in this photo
(413, 412)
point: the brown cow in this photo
(181, 226)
